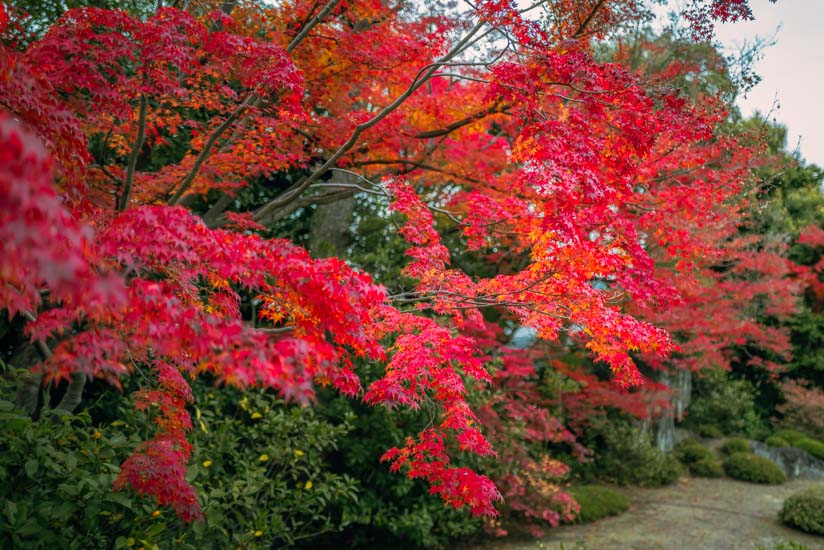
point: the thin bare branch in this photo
(126, 195)
(583, 27)
(327, 9)
(186, 182)
(293, 194)
(495, 109)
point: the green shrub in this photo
(260, 469)
(789, 545)
(631, 459)
(724, 403)
(693, 452)
(776, 441)
(812, 446)
(598, 502)
(391, 510)
(59, 472)
(270, 480)
(736, 445)
(687, 442)
(709, 431)
(805, 510)
(706, 467)
(790, 436)
(749, 467)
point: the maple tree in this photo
(146, 159)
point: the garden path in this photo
(693, 514)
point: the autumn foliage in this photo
(607, 208)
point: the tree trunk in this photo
(28, 392)
(330, 233)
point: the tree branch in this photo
(588, 20)
(186, 182)
(308, 28)
(74, 393)
(27, 392)
(419, 81)
(123, 203)
(463, 122)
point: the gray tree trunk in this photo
(330, 232)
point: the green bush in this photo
(260, 471)
(598, 502)
(710, 431)
(749, 467)
(724, 403)
(736, 445)
(687, 442)
(805, 510)
(789, 545)
(631, 459)
(59, 472)
(391, 509)
(812, 446)
(776, 441)
(263, 471)
(790, 436)
(706, 467)
(689, 453)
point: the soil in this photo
(693, 514)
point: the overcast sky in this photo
(792, 70)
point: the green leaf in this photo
(155, 529)
(10, 510)
(31, 467)
(122, 499)
(31, 527)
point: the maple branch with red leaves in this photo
(419, 81)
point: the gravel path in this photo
(693, 514)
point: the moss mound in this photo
(776, 441)
(710, 431)
(632, 459)
(805, 510)
(707, 467)
(790, 436)
(736, 445)
(598, 502)
(689, 453)
(749, 467)
(812, 446)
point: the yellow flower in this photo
(258, 533)
(155, 513)
(256, 415)
(263, 458)
(308, 485)
(298, 453)
(207, 463)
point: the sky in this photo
(792, 70)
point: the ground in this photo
(693, 514)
